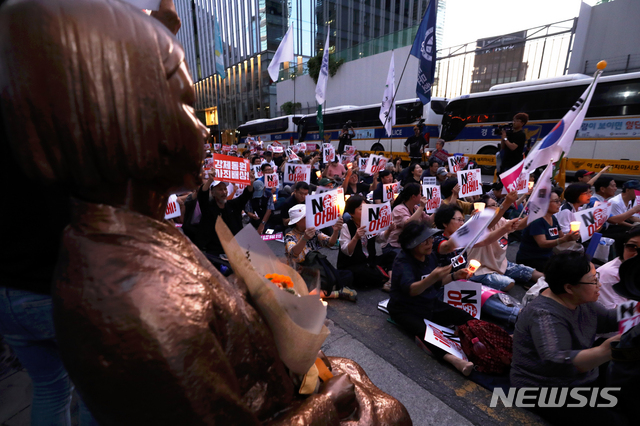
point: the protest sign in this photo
(328, 153)
(465, 295)
(457, 163)
(173, 208)
(226, 148)
(234, 147)
(272, 237)
(376, 217)
(628, 316)
(592, 219)
(439, 336)
(231, 169)
(324, 209)
(346, 159)
(208, 163)
(294, 172)
(362, 163)
(473, 228)
(429, 180)
(217, 146)
(434, 197)
(277, 149)
(442, 156)
(349, 150)
(295, 148)
(470, 182)
(207, 146)
(375, 164)
(291, 155)
(271, 181)
(389, 191)
(257, 171)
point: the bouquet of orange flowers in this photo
(283, 282)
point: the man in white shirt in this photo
(610, 272)
(624, 206)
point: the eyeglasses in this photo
(631, 247)
(595, 283)
(557, 201)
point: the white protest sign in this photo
(470, 182)
(376, 217)
(375, 164)
(328, 153)
(297, 173)
(295, 148)
(234, 147)
(349, 150)
(628, 316)
(173, 208)
(324, 209)
(271, 181)
(457, 163)
(362, 163)
(207, 146)
(346, 159)
(465, 295)
(434, 197)
(257, 171)
(389, 190)
(292, 155)
(592, 219)
(277, 149)
(429, 180)
(216, 146)
(435, 334)
(208, 163)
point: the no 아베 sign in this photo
(231, 169)
(457, 163)
(376, 217)
(375, 164)
(389, 190)
(324, 209)
(465, 295)
(271, 181)
(470, 183)
(297, 173)
(173, 208)
(434, 198)
(592, 219)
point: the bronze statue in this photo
(96, 97)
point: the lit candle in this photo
(575, 226)
(318, 174)
(479, 206)
(275, 198)
(531, 184)
(346, 197)
(473, 265)
(395, 195)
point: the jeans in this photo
(498, 310)
(26, 322)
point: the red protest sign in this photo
(324, 209)
(231, 169)
(271, 181)
(470, 182)
(226, 148)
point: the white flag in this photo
(472, 230)
(388, 107)
(283, 54)
(321, 87)
(560, 138)
(539, 201)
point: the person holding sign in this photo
(450, 189)
(386, 178)
(302, 245)
(417, 290)
(352, 184)
(540, 237)
(260, 207)
(554, 337)
(409, 206)
(576, 196)
(358, 253)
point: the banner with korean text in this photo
(465, 295)
(294, 172)
(470, 182)
(376, 217)
(375, 164)
(324, 209)
(231, 169)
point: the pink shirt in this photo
(400, 215)
(335, 169)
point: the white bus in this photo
(370, 135)
(611, 129)
(280, 129)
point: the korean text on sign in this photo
(375, 164)
(434, 197)
(297, 173)
(457, 163)
(324, 209)
(231, 169)
(376, 217)
(389, 190)
(465, 295)
(470, 183)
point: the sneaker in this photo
(348, 294)
(336, 246)
(387, 287)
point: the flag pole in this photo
(533, 191)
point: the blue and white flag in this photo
(321, 87)
(561, 137)
(217, 47)
(424, 48)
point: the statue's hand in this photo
(168, 16)
(342, 393)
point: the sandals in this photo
(346, 293)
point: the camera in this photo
(497, 129)
(349, 123)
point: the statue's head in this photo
(94, 93)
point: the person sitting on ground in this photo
(413, 175)
(496, 192)
(302, 245)
(495, 270)
(409, 206)
(386, 177)
(260, 207)
(397, 168)
(627, 246)
(542, 235)
(358, 253)
(604, 189)
(554, 337)
(417, 285)
(576, 195)
(334, 169)
(300, 191)
(449, 192)
(432, 170)
(441, 175)
(623, 211)
(353, 186)
(589, 177)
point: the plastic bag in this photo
(602, 252)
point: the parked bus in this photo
(610, 131)
(370, 134)
(280, 129)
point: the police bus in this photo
(280, 129)
(610, 131)
(370, 135)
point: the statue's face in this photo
(191, 128)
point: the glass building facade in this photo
(251, 31)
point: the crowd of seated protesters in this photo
(414, 173)
(576, 196)
(449, 191)
(409, 206)
(542, 235)
(386, 178)
(432, 169)
(353, 185)
(358, 253)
